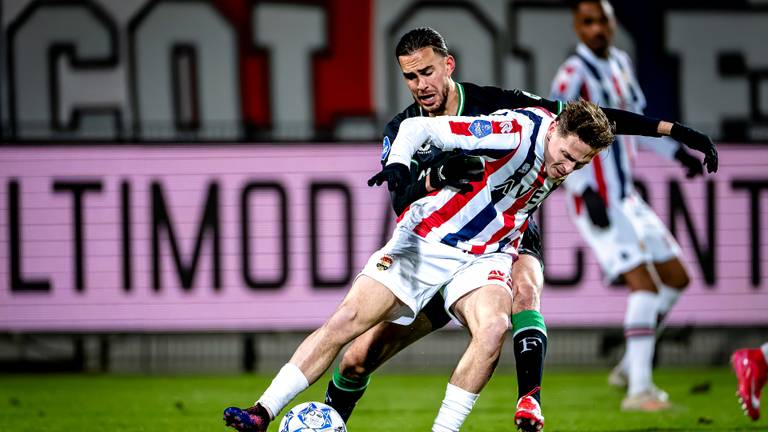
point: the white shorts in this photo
(635, 236)
(414, 270)
(490, 269)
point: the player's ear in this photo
(450, 64)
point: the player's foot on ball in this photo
(618, 377)
(650, 400)
(751, 373)
(528, 416)
(253, 419)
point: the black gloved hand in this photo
(457, 171)
(693, 166)
(595, 208)
(697, 141)
(396, 175)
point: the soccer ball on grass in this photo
(312, 417)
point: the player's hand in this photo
(457, 171)
(697, 141)
(595, 208)
(396, 175)
(692, 164)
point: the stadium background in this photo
(182, 182)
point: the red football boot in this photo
(751, 372)
(528, 416)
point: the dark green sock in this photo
(530, 339)
(343, 393)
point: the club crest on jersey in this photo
(386, 147)
(480, 128)
(384, 262)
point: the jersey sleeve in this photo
(417, 188)
(455, 132)
(568, 81)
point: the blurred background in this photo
(182, 183)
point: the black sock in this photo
(530, 339)
(343, 393)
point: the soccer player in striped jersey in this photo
(462, 243)
(427, 67)
(627, 237)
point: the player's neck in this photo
(602, 55)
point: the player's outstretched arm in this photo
(629, 123)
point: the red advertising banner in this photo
(263, 237)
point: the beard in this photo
(438, 107)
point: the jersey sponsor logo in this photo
(384, 263)
(510, 186)
(386, 147)
(480, 128)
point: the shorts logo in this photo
(480, 128)
(384, 262)
(387, 146)
(497, 275)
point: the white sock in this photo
(288, 383)
(764, 349)
(639, 330)
(667, 298)
(454, 410)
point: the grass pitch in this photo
(572, 401)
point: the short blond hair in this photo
(588, 122)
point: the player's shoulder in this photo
(486, 99)
(622, 56)
(573, 64)
(393, 126)
(475, 91)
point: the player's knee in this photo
(678, 281)
(491, 333)
(526, 297)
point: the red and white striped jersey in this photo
(493, 216)
(608, 82)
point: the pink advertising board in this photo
(269, 237)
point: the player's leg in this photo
(374, 347)
(640, 333)
(485, 313)
(672, 276)
(529, 331)
(367, 303)
(530, 342)
(751, 368)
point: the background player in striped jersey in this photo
(628, 239)
(427, 69)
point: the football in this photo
(312, 417)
